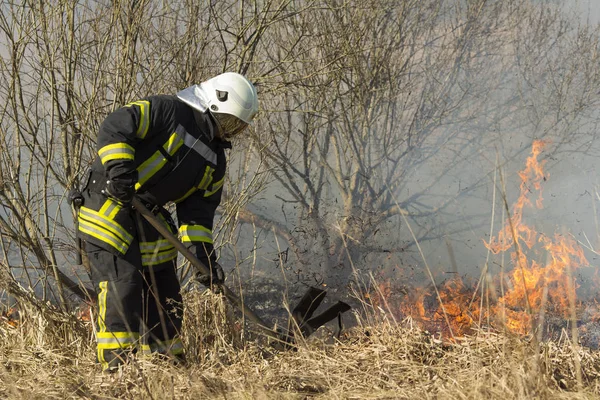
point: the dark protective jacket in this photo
(173, 156)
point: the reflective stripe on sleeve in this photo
(144, 124)
(159, 258)
(215, 188)
(116, 151)
(207, 178)
(152, 165)
(110, 208)
(157, 246)
(195, 233)
(203, 185)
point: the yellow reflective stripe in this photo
(149, 167)
(173, 144)
(204, 183)
(152, 165)
(185, 196)
(113, 346)
(157, 252)
(117, 335)
(108, 231)
(173, 347)
(159, 258)
(102, 305)
(101, 359)
(110, 225)
(103, 235)
(159, 245)
(116, 151)
(110, 208)
(116, 340)
(195, 233)
(144, 124)
(207, 178)
(215, 188)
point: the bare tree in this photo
(64, 66)
(377, 92)
(357, 99)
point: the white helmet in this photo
(230, 98)
(233, 94)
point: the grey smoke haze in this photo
(570, 199)
(570, 196)
(588, 9)
(571, 202)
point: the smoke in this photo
(467, 198)
(588, 10)
(458, 181)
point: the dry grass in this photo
(47, 358)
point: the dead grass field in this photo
(46, 356)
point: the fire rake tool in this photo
(303, 320)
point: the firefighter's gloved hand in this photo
(216, 277)
(121, 190)
(75, 198)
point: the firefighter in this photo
(163, 149)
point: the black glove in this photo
(75, 198)
(121, 190)
(216, 277)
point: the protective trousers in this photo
(139, 303)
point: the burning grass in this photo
(47, 354)
(45, 357)
(524, 297)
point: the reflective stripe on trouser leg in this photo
(120, 285)
(172, 347)
(163, 320)
(113, 346)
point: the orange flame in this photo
(530, 287)
(514, 229)
(10, 317)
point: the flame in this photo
(10, 317)
(452, 316)
(514, 299)
(84, 313)
(514, 229)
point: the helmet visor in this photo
(230, 125)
